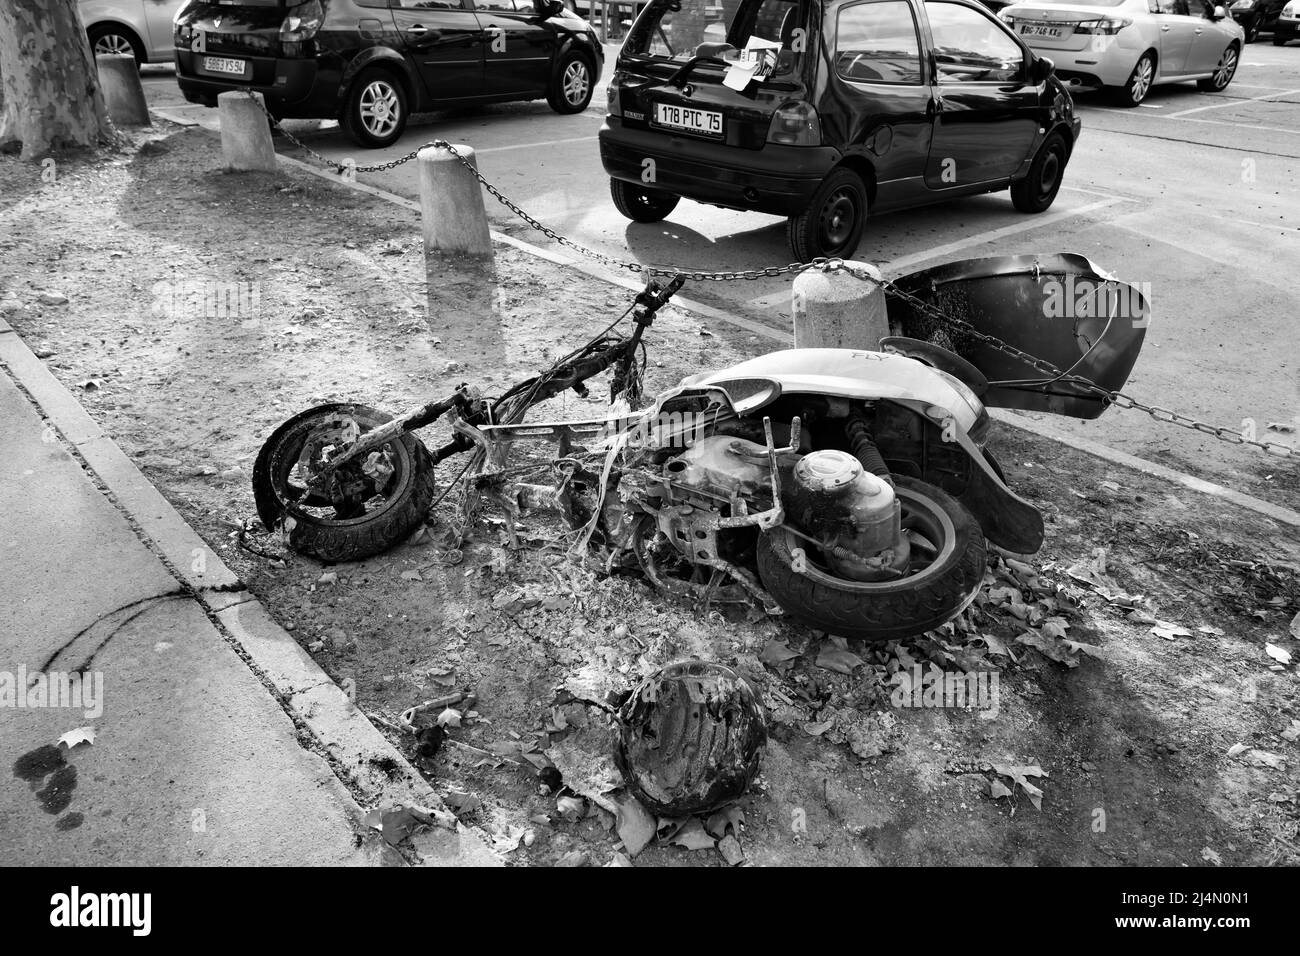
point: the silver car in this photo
(1128, 46)
(141, 28)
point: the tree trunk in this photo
(49, 88)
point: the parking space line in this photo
(1230, 102)
(1266, 129)
(551, 142)
(1034, 222)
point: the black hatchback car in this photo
(372, 63)
(819, 110)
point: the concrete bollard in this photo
(119, 78)
(833, 309)
(245, 133)
(451, 204)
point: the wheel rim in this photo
(1050, 175)
(1141, 83)
(381, 108)
(289, 480)
(931, 534)
(113, 44)
(673, 575)
(576, 82)
(838, 218)
(1227, 67)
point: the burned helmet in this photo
(692, 737)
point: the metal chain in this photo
(1119, 399)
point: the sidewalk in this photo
(193, 760)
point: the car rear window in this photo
(876, 43)
(673, 30)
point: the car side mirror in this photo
(548, 8)
(1040, 69)
(1220, 13)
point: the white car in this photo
(140, 28)
(1128, 46)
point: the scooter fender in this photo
(1006, 519)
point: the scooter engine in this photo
(853, 515)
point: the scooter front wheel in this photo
(367, 506)
(947, 568)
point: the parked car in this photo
(870, 105)
(138, 28)
(1287, 26)
(372, 63)
(1128, 46)
(1256, 15)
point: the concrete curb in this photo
(370, 764)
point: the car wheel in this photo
(1139, 82)
(376, 115)
(109, 39)
(572, 86)
(833, 222)
(1223, 73)
(1279, 41)
(1038, 190)
(640, 204)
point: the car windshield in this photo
(770, 31)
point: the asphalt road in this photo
(1194, 194)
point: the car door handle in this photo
(1164, 29)
(1198, 31)
(419, 30)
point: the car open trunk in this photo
(1058, 307)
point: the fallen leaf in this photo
(692, 837)
(636, 827)
(775, 652)
(1168, 630)
(1236, 749)
(835, 656)
(730, 849)
(619, 860)
(82, 735)
(1262, 758)
(1279, 654)
(1210, 856)
(450, 717)
(997, 789)
(818, 728)
(729, 818)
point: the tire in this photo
(571, 87)
(1223, 73)
(639, 204)
(1037, 191)
(833, 222)
(883, 610)
(1279, 41)
(342, 539)
(1139, 82)
(1252, 32)
(108, 38)
(376, 111)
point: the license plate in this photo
(220, 64)
(704, 122)
(1041, 30)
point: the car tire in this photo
(1252, 32)
(1037, 191)
(1223, 73)
(1279, 41)
(572, 85)
(1139, 82)
(833, 222)
(640, 204)
(376, 111)
(109, 38)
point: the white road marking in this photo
(1230, 102)
(551, 142)
(1031, 222)
(1266, 129)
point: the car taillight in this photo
(1107, 26)
(796, 124)
(302, 23)
(613, 105)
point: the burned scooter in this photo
(850, 489)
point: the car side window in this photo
(433, 4)
(378, 4)
(972, 47)
(1173, 7)
(506, 6)
(877, 43)
(1199, 8)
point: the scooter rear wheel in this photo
(946, 573)
(382, 513)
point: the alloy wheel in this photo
(113, 44)
(1227, 68)
(576, 82)
(1140, 85)
(380, 108)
